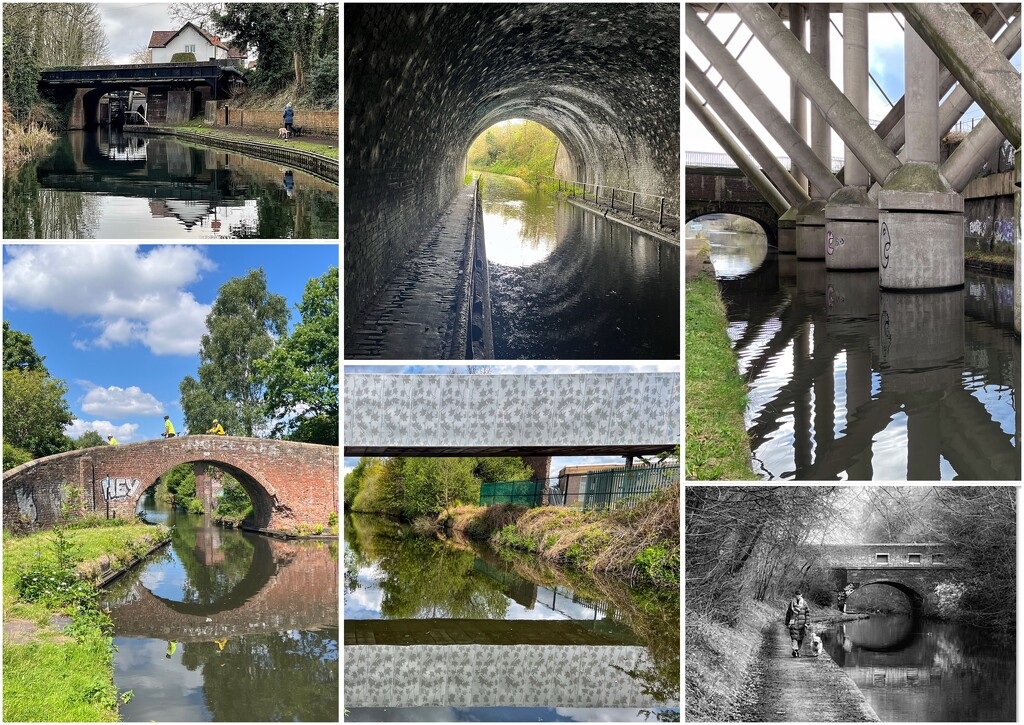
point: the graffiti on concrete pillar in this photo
(886, 243)
(833, 244)
(976, 228)
(26, 506)
(115, 489)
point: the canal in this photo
(568, 284)
(927, 671)
(108, 184)
(446, 630)
(849, 382)
(226, 625)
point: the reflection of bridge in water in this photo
(290, 586)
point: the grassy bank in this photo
(23, 144)
(717, 446)
(197, 126)
(57, 656)
(641, 543)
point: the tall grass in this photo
(22, 144)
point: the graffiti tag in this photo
(977, 228)
(1004, 230)
(119, 488)
(886, 242)
(26, 506)
(832, 244)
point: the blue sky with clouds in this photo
(121, 323)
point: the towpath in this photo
(801, 689)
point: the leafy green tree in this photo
(525, 149)
(35, 412)
(302, 371)
(89, 439)
(14, 456)
(242, 329)
(19, 351)
(490, 470)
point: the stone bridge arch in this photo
(289, 483)
(423, 81)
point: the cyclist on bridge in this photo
(168, 428)
(217, 428)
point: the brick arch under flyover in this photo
(289, 483)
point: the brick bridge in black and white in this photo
(914, 569)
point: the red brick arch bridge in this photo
(289, 483)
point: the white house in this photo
(163, 44)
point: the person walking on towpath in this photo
(168, 428)
(111, 440)
(289, 117)
(798, 616)
(217, 428)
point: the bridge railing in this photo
(661, 206)
(712, 160)
(618, 488)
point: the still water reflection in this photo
(850, 382)
(107, 183)
(228, 626)
(927, 671)
(567, 284)
(446, 630)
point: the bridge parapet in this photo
(914, 555)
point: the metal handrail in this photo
(570, 185)
(136, 113)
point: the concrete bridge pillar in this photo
(810, 219)
(921, 221)
(851, 217)
(1016, 246)
(797, 102)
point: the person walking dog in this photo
(289, 117)
(798, 616)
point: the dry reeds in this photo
(22, 143)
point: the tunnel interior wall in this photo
(422, 81)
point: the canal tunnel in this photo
(423, 81)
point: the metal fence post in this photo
(613, 198)
(661, 214)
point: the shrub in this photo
(332, 520)
(194, 506)
(658, 565)
(183, 58)
(511, 536)
(14, 456)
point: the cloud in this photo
(130, 296)
(123, 433)
(115, 402)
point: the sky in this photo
(121, 323)
(885, 62)
(557, 462)
(130, 25)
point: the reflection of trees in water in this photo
(310, 213)
(31, 212)
(529, 207)
(420, 576)
(215, 560)
(290, 675)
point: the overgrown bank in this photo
(641, 543)
(58, 648)
(717, 445)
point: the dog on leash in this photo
(815, 644)
(282, 132)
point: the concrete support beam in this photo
(922, 94)
(1016, 256)
(745, 135)
(973, 60)
(821, 134)
(855, 80)
(736, 152)
(815, 82)
(758, 103)
(797, 101)
(971, 154)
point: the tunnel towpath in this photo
(414, 316)
(803, 689)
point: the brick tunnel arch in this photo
(261, 493)
(769, 226)
(423, 81)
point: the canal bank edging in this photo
(114, 573)
(315, 164)
(613, 216)
(475, 334)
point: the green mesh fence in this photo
(613, 488)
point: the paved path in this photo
(805, 689)
(479, 631)
(414, 316)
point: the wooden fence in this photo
(318, 122)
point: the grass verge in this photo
(641, 543)
(717, 446)
(330, 152)
(57, 655)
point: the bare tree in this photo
(196, 13)
(140, 55)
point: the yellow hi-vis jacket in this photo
(169, 427)
(112, 441)
(217, 430)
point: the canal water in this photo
(226, 625)
(452, 631)
(106, 183)
(927, 671)
(848, 382)
(567, 284)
